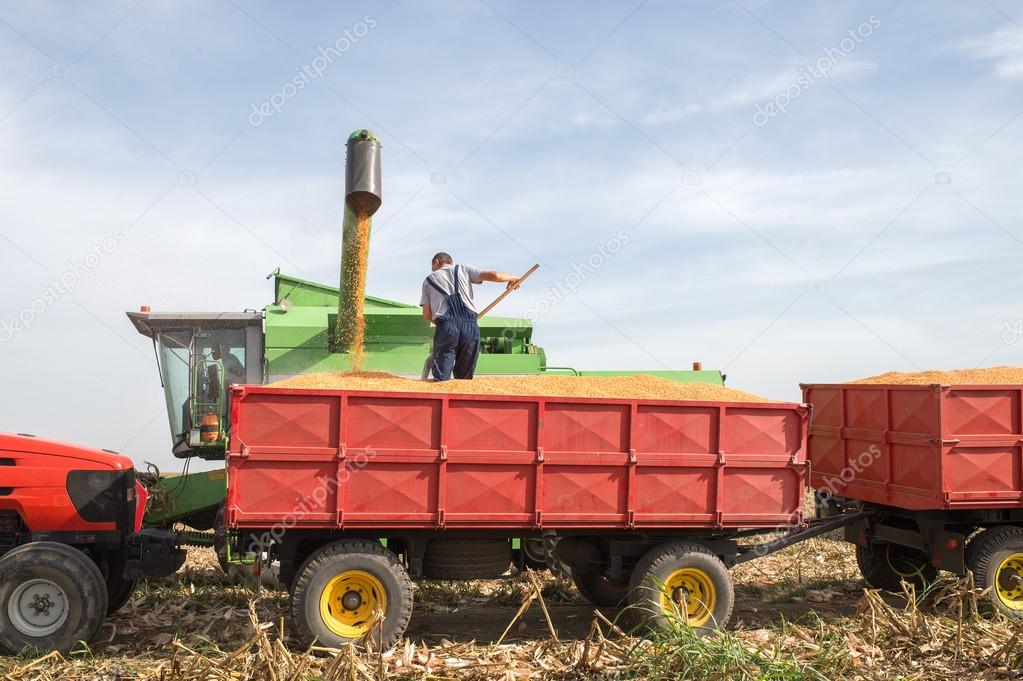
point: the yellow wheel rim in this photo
(352, 602)
(690, 592)
(1009, 581)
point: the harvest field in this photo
(802, 613)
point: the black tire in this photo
(220, 540)
(995, 557)
(67, 580)
(119, 592)
(332, 562)
(119, 589)
(599, 590)
(533, 556)
(467, 558)
(884, 566)
(709, 601)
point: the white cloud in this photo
(1004, 46)
(750, 91)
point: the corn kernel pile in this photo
(1001, 375)
(640, 386)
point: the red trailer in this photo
(624, 492)
(941, 469)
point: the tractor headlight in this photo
(98, 496)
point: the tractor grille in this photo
(10, 529)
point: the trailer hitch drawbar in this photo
(814, 528)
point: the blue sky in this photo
(869, 223)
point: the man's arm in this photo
(427, 312)
(500, 277)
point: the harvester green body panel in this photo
(298, 336)
(185, 497)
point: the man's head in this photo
(440, 260)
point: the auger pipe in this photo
(363, 196)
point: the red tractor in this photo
(71, 542)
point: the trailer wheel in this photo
(533, 556)
(885, 566)
(467, 558)
(599, 589)
(682, 582)
(996, 558)
(342, 591)
(51, 597)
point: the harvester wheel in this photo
(996, 558)
(467, 558)
(343, 591)
(599, 589)
(51, 597)
(885, 566)
(682, 583)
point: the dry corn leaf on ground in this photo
(641, 387)
(806, 624)
(1001, 375)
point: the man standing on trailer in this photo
(447, 302)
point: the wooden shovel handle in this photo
(515, 285)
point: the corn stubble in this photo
(199, 625)
(625, 387)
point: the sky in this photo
(785, 191)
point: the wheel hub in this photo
(691, 593)
(1009, 581)
(351, 601)
(41, 604)
(38, 607)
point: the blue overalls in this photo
(456, 341)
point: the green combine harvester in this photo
(201, 354)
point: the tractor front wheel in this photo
(351, 591)
(51, 598)
(119, 589)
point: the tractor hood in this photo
(10, 443)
